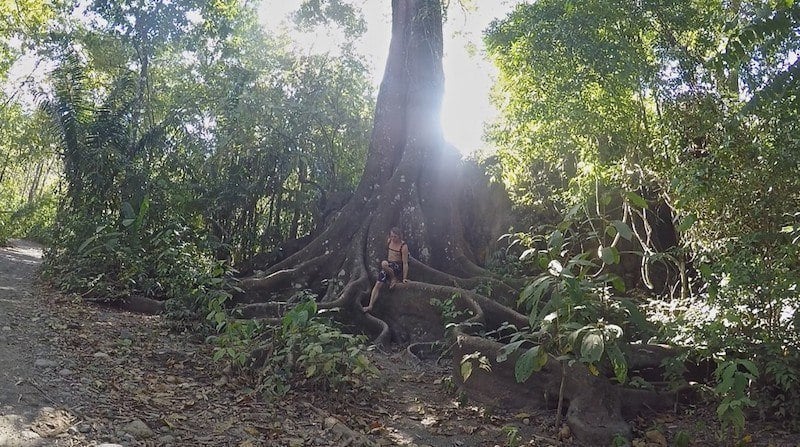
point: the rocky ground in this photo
(73, 374)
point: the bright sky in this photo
(468, 78)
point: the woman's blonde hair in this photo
(397, 231)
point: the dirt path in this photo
(29, 366)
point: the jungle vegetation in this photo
(644, 189)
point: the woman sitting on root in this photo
(394, 268)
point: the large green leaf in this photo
(636, 200)
(531, 361)
(533, 292)
(609, 255)
(622, 229)
(592, 347)
(507, 349)
(686, 222)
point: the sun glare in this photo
(468, 76)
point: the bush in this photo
(112, 259)
(307, 349)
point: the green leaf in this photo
(533, 292)
(528, 363)
(312, 368)
(722, 408)
(572, 212)
(466, 370)
(502, 356)
(87, 242)
(618, 283)
(127, 211)
(623, 229)
(618, 363)
(687, 222)
(725, 385)
(218, 354)
(127, 222)
(592, 347)
(750, 367)
(609, 255)
(636, 199)
(556, 240)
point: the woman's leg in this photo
(376, 290)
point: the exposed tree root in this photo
(595, 405)
(134, 303)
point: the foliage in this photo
(185, 138)
(28, 174)
(188, 139)
(513, 437)
(306, 349)
(733, 378)
(693, 105)
(24, 24)
(576, 305)
(33, 220)
(451, 315)
(117, 261)
(469, 361)
(236, 340)
(778, 389)
(573, 310)
(344, 14)
(179, 146)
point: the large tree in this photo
(412, 179)
(451, 215)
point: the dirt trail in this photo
(30, 395)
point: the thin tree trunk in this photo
(34, 183)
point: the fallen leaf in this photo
(429, 421)
(656, 437)
(564, 433)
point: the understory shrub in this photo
(112, 259)
(733, 308)
(33, 220)
(576, 301)
(307, 349)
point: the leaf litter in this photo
(128, 379)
